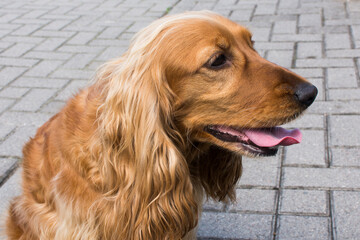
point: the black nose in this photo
(306, 94)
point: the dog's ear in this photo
(143, 146)
(219, 171)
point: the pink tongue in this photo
(270, 137)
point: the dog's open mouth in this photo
(258, 141)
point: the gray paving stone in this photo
(321, 178)
(82, 38)
(71, 89)
(337, 41)
(343, 53)
(234, 226)
(57, 25)
(310, 20)
(80, 49)
(309, 50)
(344, 130)
(16, 62)
(304, 202)
(39, 82)
(79, 61)
(346, 214)
(13, 92)
(44, 68)
(26, 30)
(5, 104)
(17, 50)
(344, 94)
(72, 74)
(24, 118)
(9, 74)
(242, 15)
(341, 77)
(6, 166)
(9, 190)
(13, 145)
(307, 121)
(309, 152)
(48, 55)
(260, 34)
(254, 200)
(285, 27)
(274, 46)
(5, 129)
(281, 57)
(262, 172)
(33, 100)
(325, 62)
(302, 227)
(296, 37)
(211, 205)
(345, 157)
(111, 52)
(50, 44)
(309, 72)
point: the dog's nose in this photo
(306, 94)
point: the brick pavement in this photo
(49, 49)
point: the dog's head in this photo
(225, 93)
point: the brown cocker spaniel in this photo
(132, 156)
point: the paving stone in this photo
(80, 49)
(57, 25)
(26, 30)
(260, 172)
(309, 50)
(6, 166)
(50, 44)
(345, 130)
(309, 152)
(344, 94)
(9, 190)
(296, 37)
(79, 61)
(307, 121)
(303, 202)
(72, 74)
(310, 20)
(309, 72)
(319, 84)
(285, 27)
(71, 89)
(341, 77)
(345, 157)
(241, 15)
(24, 118)
(325, 62)
(13, 145)
(335, 107)
(282, 58)
(274, 46)
(111, 52)
(39, 82)
(234, 226)
(321, 178)
(34, 99)
(13, 92)
(303, 227)
(48, 55)
(260, 34)
(9, 74)
(254, 200)
(44, 68)
(211, 205)
(5, 104)
(346, 214)
(16, 62)
(337, 41)
(17, 50)
(82, 38)
(343, 53)
(5, 129)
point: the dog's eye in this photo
(217, 61)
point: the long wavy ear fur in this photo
(219, 170)
(147, 176)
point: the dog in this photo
(133, 155)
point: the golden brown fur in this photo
(127, 157)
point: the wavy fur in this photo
(127, 157)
